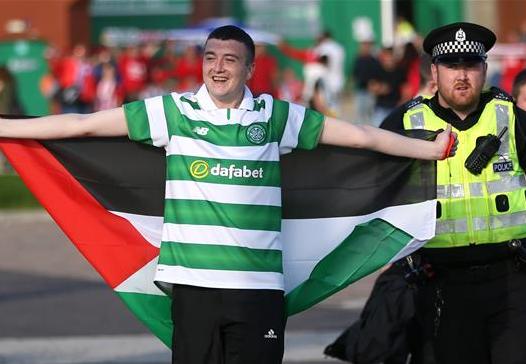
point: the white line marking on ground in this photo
(300, 346)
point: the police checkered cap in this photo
(456, 47)
(459, 41)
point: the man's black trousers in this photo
(227, 326)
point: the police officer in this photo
(474, 309)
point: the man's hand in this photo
(447, 141)
(341, 133)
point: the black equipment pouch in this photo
(416, 272)
(487, 146)
(518, 247)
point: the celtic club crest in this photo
(256, 134)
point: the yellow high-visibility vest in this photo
(490, 207)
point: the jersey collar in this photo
(206, 103)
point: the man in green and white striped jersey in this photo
(221, 254)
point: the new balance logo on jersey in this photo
(270, 335)
(200, 130)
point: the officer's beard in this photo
(463, 97)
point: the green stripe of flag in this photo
(198, 212)
(220, 257)
(370, 246)
(310, 130)
(179, 168)
(137, 119)
(154, 311)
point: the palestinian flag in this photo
(346, 213)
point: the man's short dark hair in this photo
(518, 82)
(231, 32)
(425, 69)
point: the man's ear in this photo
(251, 68)
(434, 72)
(485, 72)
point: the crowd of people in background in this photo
(379, 78)
(84, 81)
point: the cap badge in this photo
(460, 35)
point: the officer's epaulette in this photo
(500, 94)
(414, 102)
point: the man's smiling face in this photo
(226, 69)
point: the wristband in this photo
(449, 146)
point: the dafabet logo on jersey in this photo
(200, 169)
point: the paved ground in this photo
(54, 309)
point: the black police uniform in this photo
(474, 309)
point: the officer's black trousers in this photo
(476, 314)
(227, 326)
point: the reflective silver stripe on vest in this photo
(499, 222)
(417, 119)
(503, 120)
(451, 226)
(481, 223)
(442, 191)
(476, 190)
(450, 191)
(507, 184)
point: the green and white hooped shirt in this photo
(222, 217)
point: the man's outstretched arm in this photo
(341, 133)
(103, 123)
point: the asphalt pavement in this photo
(55, 309)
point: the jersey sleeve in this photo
(298, 127)
(146, 121)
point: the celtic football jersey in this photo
(222, 216)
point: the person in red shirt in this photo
(188, 70)
(109, 90)
(409, 64)
(511, 66)
(519, 89)
(264, 79)
(76, 82)
(134, 72)
(290, 88)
